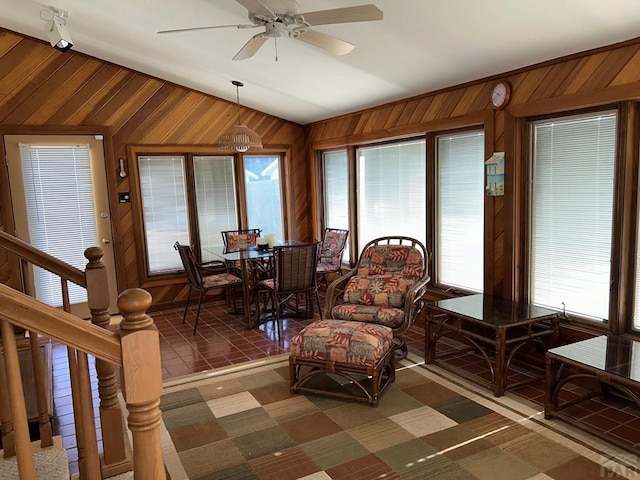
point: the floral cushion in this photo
(403, 260)
(242, 241)
(387, 316)
(354, 343)
(220, 280)
(332, 245)
(379, 290)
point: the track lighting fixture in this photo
(56, 28)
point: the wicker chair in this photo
(330, 254)
(385, 287)
(216, 276)
(294, 274)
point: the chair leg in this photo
(276, 305)
(186, 307)
(195, 325)
(318, 301)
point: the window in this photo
(391, 191)
(164, 210)
(215, 200)
(264, 200)
(336, 191)
(192, 198)
(571, 213)
(459, 231)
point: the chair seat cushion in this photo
(269, 283)
(387, 316)
(378, 290)
(354, 343)
(220, 280)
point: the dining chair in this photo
(294, 274)
(204, 278)
(241, 239)
(330, 253)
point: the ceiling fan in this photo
(282, 17)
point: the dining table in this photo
(245, 259)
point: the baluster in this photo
(142, 383)
(115, 457)
(26, 468)
(42, 396)
(86, 439)
(5, 412)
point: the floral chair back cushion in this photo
(393, 260)
(241, 241)
(332, 245)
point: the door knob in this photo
(106, 241)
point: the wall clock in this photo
(500, 94)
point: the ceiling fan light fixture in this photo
(239, 137)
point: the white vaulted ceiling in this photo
(419, 46)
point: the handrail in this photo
(30, 314)
(41, 259)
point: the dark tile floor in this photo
(222, 340)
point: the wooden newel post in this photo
(142, 383)
(115, 458)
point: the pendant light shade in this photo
(239, 137)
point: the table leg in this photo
(500, 375)
(246, 294)
(429, 344)
(550, 400)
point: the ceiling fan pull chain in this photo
(276, 43)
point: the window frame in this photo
(189, 152)
(625, 219)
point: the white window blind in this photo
(164, 210)
(392, 191)
(264, 200)
(336, 191)
(60, 212)
(460, 210)
(215, 199)
(572, 213)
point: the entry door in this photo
(60, 206)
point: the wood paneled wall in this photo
(599, 77)
(46, 91)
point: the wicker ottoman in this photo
(343, 359)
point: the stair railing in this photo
(136, 352)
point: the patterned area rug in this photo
(245, 424)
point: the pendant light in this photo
(239, 137)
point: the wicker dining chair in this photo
(330, 253)
(294, 274)
(203, 278)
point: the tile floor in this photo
(223, 340)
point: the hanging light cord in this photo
(238, 85)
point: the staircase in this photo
(134, 350)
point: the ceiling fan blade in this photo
(326, 42)
(251, 47)
(257, 7)
(207, 28)
(361, 13)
